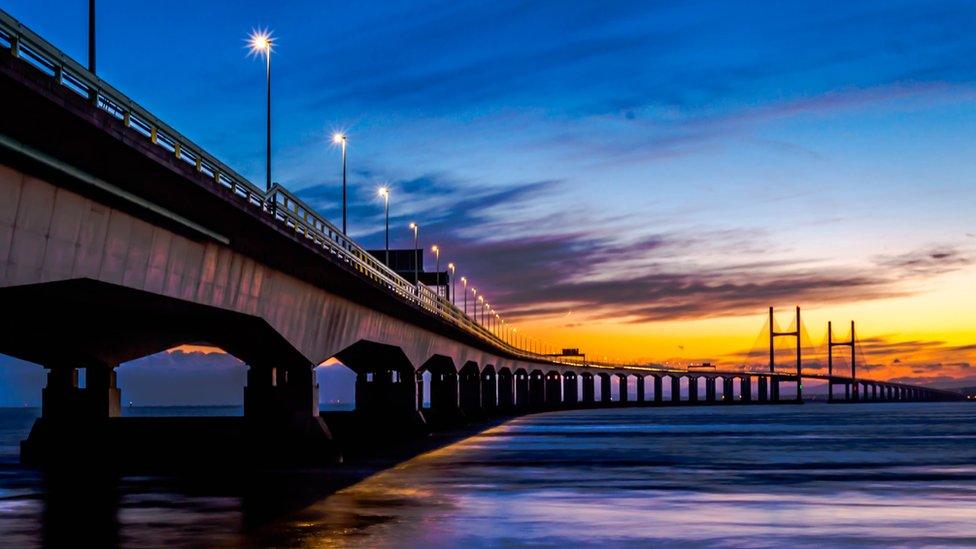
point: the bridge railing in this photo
(28, 46)
(304, 220)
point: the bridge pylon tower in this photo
(773, 334)
(852, 386)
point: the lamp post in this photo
(437, 267)
(416, 254)
(91, 36)
(450, 267)
(481, 299)
(262, 43)
(339, 138)
(464, 282)
(385, 193)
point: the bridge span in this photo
(121, 238)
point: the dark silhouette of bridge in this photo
(120, 238)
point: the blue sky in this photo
(676, 160)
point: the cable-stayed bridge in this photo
(120, 238)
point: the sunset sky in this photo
(638, 179)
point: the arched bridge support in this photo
(387, 388)
(589, 388)
(570, 389)
(506, 390)
(96, 325)
(521, 389)
(692, 389)
(605, 395)
(444, 407)
(622, 388)
(710, 389)
(537, 389)
(489, 390)
(469, 390)
(554, 390)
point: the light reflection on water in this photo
(770, 476)
(886, 474)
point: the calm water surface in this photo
(886, 475)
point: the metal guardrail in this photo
(278, 202)
(28, 46)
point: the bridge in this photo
(120, 238)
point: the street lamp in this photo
(385, 193)
(416, 254)
(339, 138)
(464, 282)
(450, 267)
(481, 299)
(437, 267)
(261, 42)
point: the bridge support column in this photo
(285, 393)
(762, 388)
(658, 390)
(444, 403)
(506, 390)
(554, 390)
(728, 390)
(489, 390)
(622, 388)
(281, 411)
(605, 396)
(675, 389)
(745, 388)
(774, 389)
(692, 389)
(521, 389)
(640, 389)
(589, 388)
(570, 389)
(63, 400)
(73, 418)
(469, 390)
(710, 389)
(537, 389)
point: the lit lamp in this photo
(450, 267)
(385, 193)
(416, 254)
(437, 267)
(339, 138)
(261, 42)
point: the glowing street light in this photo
(385, 193)
(437, 267)
(450, 267)
(481, 299)
(339, 138)
(464, 282)
(416, 254)
(262, 42)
